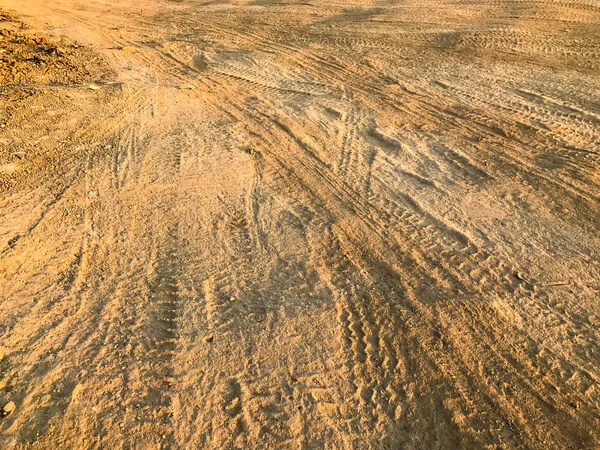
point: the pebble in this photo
(8, 408)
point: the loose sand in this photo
(300, 225)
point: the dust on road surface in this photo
(300, 225)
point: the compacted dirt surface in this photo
(300, 225)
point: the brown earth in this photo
(300, 225)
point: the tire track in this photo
(161, 333)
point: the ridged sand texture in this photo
(303, 225)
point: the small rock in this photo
(187, 87)
(232, 299)
(8, 408)
(209, 338)
(93, 87)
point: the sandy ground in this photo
(300, 225)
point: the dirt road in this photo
(305, 225)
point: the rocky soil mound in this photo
(27, 58)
